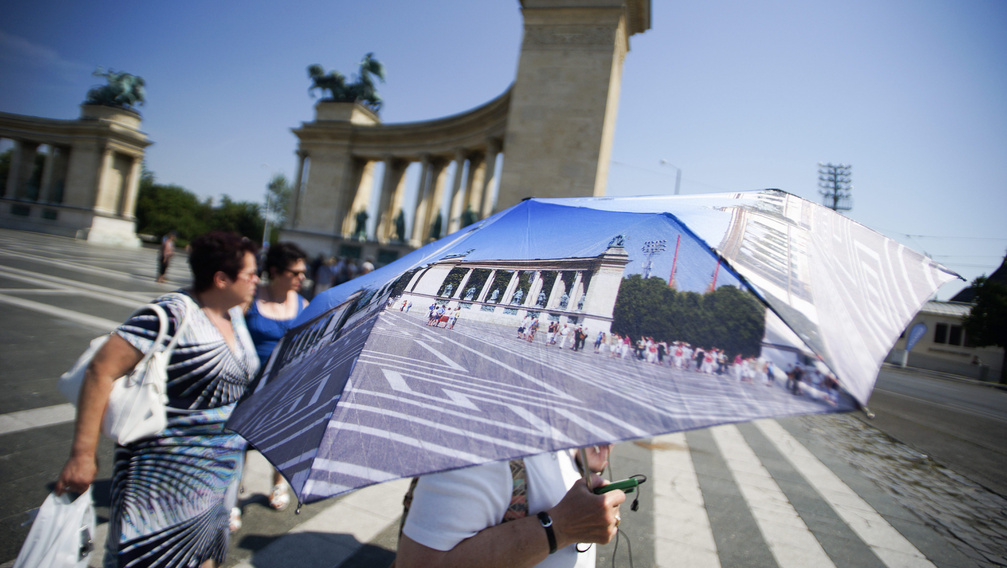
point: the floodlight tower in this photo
(834, 179)
(652, 248)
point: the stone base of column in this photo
(73, 222)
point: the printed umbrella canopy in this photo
(561, 323)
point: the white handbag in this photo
(137, 402)
(61, 535)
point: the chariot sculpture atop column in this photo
(362, 90)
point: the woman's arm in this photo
(116, 358)
(581, 516)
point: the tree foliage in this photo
(278, 193)
(729, 318)
(162, 208)
(986, 323)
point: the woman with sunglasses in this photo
(276, 306)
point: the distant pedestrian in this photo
(164, 255)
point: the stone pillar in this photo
(106, 199)
(487, 286)
(21, 169)
(559, 131)
(556, 292)
(533, 290)
(362, 182)
(14, 173)
(576, 291)
(390, 203)
(457, 195)
(605, 282)
(438, 179)
(489, 178)
(295, 194)
(461, 285)
(474, 184)
(424, 194)
(132, 188)
(511, 286)
(45, 186)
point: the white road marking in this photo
(788, 537)
(887, 543)
(36, 418)
(101, 324)
(682, 533)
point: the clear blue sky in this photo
(740, 95)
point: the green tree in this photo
(164, 208)
(986, 323)
(278, 193)
(242, 217)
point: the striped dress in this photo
(171, 494)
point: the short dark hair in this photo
(215, 251)
(281, 256)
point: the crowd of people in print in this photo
(438, 314)
(798, 379)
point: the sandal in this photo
(234, 522)
(279, 498)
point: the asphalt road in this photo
(960, 423)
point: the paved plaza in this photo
(823, 490)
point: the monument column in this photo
(489, 178)
(438, 178)
(423, 195)
(559, 131)
(295, 194)
(130, 189)
(457, 195)
(474, 183)
(45, 185)
(461, 285)
(392, 191)
(487, 286)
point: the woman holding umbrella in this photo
(454, 517)
(170, 495)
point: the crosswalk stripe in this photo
(887, 543)
(100, 324)
(788, 537)
(22, 420)
(682, 535)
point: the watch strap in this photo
(546, 521)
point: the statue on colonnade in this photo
(363, 90)
(123, 90)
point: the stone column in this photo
(14, 173)
(45, 186)
(131, 189)
(511, 286)
(474, 183)
(556, 292)
(438, 179)
(457, 194)
(559, 131)
(295, 194)
(392, 192)
(423, 197)
(362, 182)
(106, 199)
(487, 286)
(605, 282)
(575, 292)
(489, 178)
(461, 285)
(536, 286)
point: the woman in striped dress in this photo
(170, 492)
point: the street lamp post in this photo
(678, 174)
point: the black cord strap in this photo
(546, 521)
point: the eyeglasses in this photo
(296, 273)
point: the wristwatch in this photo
(546, 521)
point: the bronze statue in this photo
(123, 90)
(361, 229)
(363, 90)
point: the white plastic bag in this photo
(61, 536)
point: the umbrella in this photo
(651, 315)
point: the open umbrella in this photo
(563, 323)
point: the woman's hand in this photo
(78, 474)
(585, 517)
(596, 456)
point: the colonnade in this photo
(73, 177)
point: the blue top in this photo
(266, 332)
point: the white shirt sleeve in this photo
(451, 506)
